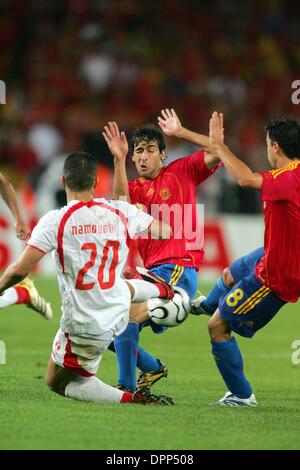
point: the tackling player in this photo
(25, 292)
(89, 238)
(172, 190)
(256, 299)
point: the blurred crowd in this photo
(72, 65)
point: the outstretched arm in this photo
(239, 171)
(18, 270)
(118, 145)
(9, 196)
(171, 126)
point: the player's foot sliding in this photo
(145, 397)
(165, 290)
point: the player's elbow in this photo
(244, 182)
(252, 181)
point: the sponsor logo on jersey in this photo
(150, 192)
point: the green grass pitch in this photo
(32, 417)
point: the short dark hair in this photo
(80, 171)
(286, 132)
(148, 133)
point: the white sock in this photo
(143, 290)
(9, 297)
(93, 390)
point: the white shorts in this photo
(80, 355)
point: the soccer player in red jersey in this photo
(169, 193)
(275, 280)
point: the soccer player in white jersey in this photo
(25, 292)
(88, 237)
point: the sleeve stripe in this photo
(37, 248)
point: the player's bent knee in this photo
(138, 312)
(227, 278)
(211, 326)
(57, 378)
(56, 386)
(218, 328)
(50, 383)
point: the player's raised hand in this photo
(116, 141)
(169, 122)
(216, 130)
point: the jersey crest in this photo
(165, 194)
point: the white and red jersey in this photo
(90, 243)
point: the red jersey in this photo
(279, 267)
(171, 197)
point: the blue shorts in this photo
(243, 266)
(175, 275)
(249, 306)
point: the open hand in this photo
(116, 141)
(216, 130)
(169, 122)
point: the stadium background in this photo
(69, 67)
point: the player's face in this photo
(270, 152)
(148, 159)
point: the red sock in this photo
(23, 295)
(126, 397)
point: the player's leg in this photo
(145, 285)
(26, 293)
(130, 354)
(71, 373)
(225, 349)
(72, 367)
(239, 269)
(248, 307)
(228, 357)
(151, 369)
(60, 380)
(126, 345)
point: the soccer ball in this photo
(170, 312)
